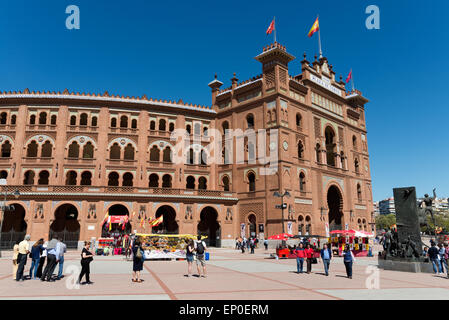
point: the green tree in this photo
(385, 221)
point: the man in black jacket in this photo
(433, 256)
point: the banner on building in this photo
(243, 230)
(327, 229)
(290, 227)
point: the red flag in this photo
(271, 27)
(349, 77)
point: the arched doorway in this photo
(252, 225)
(335, 204)
(14, 227)
(119, 226)
(209, 226)
(66, 225)
(169, 226)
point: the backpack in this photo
(200, 247)
(139, 254)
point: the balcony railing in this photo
(41, 127)
(79, 128)
(23, 189)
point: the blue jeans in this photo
(444, 265)
(299, 264)
(34, 265)
(61, 266)
(326, 263)
(436, 265)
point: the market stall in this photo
(358, 241)
(163, 246)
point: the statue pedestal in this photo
(404, 265)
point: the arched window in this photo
(364, 225)
(317, 152)
(190, 182)
(74, 150)
(155, 154)
(189, 129)
(43, 178)
(123, 122)
(113, 123)
(252, 181)
(359, 192)
(53, 120)
(302, 182)
(162, 125)
(300, 225)
(32, 149)
(298, 120)
(127, 180)
(3, 174)
(356, 165)
(153, 125)
(73, 120)
(225, 183)
(342, 159)
(134, 123)
(354, 142)
(167, 156)
(83, 119)
(113, 179)
(71, 178)
(330, 146)
(300, 150)
(154, 181)
(171, 127)
(43, 118)
(94, 122)
(114, 152)
(6, 149)
(250, 121)
(86, 178)
(88, 151)
(205, 131)
(308, 225)
(32, 119)
(202, 183)
(3, 118)
(13, 119)
(28, 178)
(203, 158)
(190, 156)
(166, 181)
(129, 152)
(47, 149)
(359, 222)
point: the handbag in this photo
(314, 261)
(139, 254)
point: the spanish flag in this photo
(315, 28)
(157, 222)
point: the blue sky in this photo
(172, 49)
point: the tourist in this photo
(53, 252)
(15, 256)
(446, 258)
(138, 258)
(42, 260)
(433, 256)
(252, 245)
(237, 243)
(36, 251)
(61, 258)
(242, 245)
(200, 249)
(348, 260)
(24, 250)
(424, 252)
(300, 255)
(309, 256)
(326, 256)
(441, 253)
(86, 259)
(189, 256)
(265, 243)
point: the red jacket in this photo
(309, 253)
(300, 253)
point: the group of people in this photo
(305, 252)
(438, 256)
(52, 252)
(249, 244)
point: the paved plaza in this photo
(231, 275)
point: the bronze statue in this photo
(423, 212)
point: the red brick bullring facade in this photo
(74, 157)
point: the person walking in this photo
(433, 256)
(326, 256)
(252, 245)
(441, 252)
(36, 251)
(309, 257)
(24, 250)
(61, 259)
(138, 258)
(189, 256)
(200, 249)
(265, 243)
(15, 256)
(53, 252)
(42, 260)
(446, 258)
(86, 258)
(300, 256)
(348, 260)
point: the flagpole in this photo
(275, 29)
(319, 39)
(352, 80)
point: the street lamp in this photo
(5, 208)
(283, 205)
